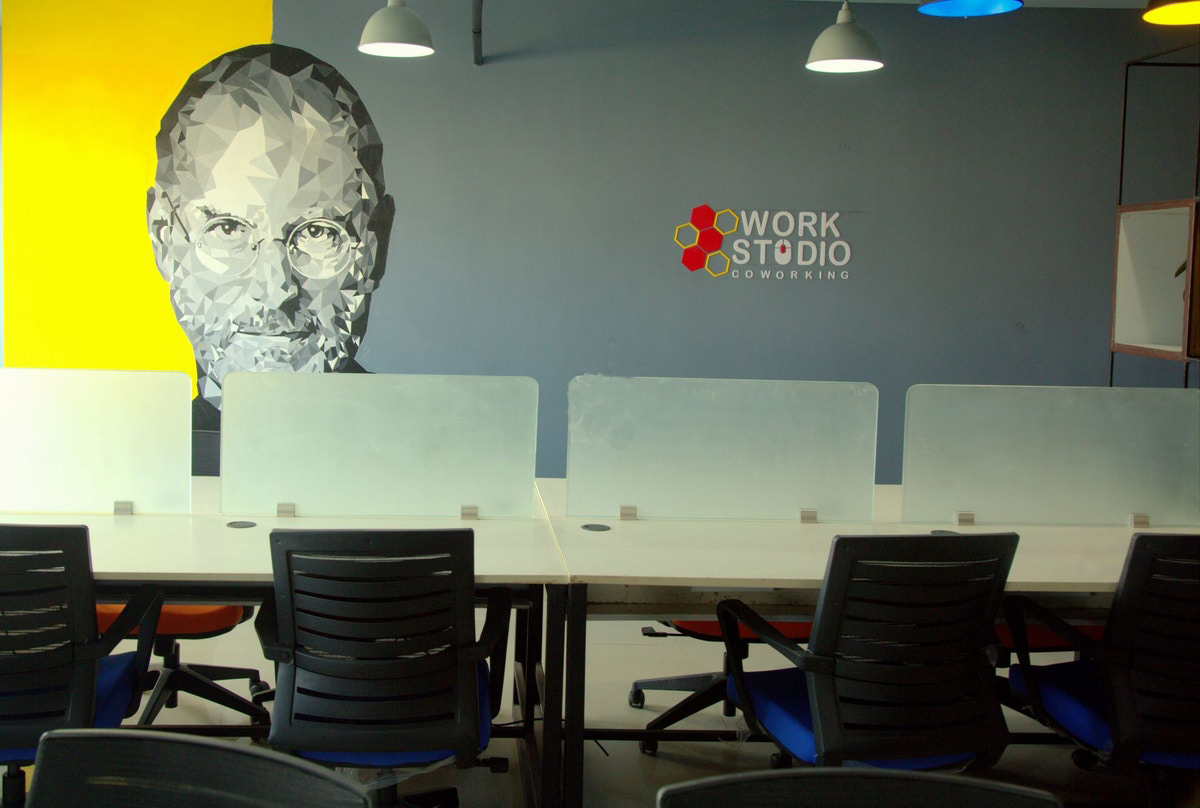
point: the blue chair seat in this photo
(386, 760)
(114, 690)
(1073, 695)
(782, 707)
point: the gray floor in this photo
(619, 776)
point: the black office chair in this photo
(896, 674)
(195, 621)
(130, 768)
(377, 665)
(1133, 697)
(850, 788)
(56, 669)
(705, 689)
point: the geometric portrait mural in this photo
(85, 88)
(268, 217)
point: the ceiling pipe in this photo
(477, 29)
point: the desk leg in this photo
(527, 661)
(575, 685)
(527, 651)
(552, 698)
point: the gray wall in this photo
(538, 195)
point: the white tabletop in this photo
(203, 547)
(555, 549)
(719, 554)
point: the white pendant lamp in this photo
(395, 30)
(844, 47)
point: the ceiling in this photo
(1139, 4)
(1028, 4)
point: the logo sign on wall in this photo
(765, 244)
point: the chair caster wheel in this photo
(648, 747)
(637, 699)
(1084, 759)
(259, 687)
(779, 760)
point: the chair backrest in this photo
(1152, 647)
(376, 623)
(849, 788)
(144, 769)
(906, 621)
(47, 620)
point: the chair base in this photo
(693, 683)
(201, 681)
(705, 697)
(388, 797)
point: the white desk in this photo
(555, 549)
(744, 554)
(201, 557)
(650, 566)
(203, 549)
(676, 566)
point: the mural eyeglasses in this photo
(314, 249)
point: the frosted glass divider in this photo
(341, 444)
(721, 448)
(1052, 455)
(80, 441)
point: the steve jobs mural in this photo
(268, 217)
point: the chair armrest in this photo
(266, 626)
(732, 612)
(1017, 607)
(492, 637)
(141, 611)
(495, 624)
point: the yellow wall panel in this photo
(85, 86)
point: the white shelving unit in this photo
(1156, 307)
(1156, 272)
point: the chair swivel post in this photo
(14, 786)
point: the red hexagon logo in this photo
(703, 216)
(694, 258)
(710, 239)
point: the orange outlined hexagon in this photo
(695, 235)
(727, 213)
(724, 263)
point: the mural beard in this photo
(229, 333)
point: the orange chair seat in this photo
(180, 619)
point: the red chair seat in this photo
(1040, 637)
(796, 630)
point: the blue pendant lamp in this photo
(968, 8)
